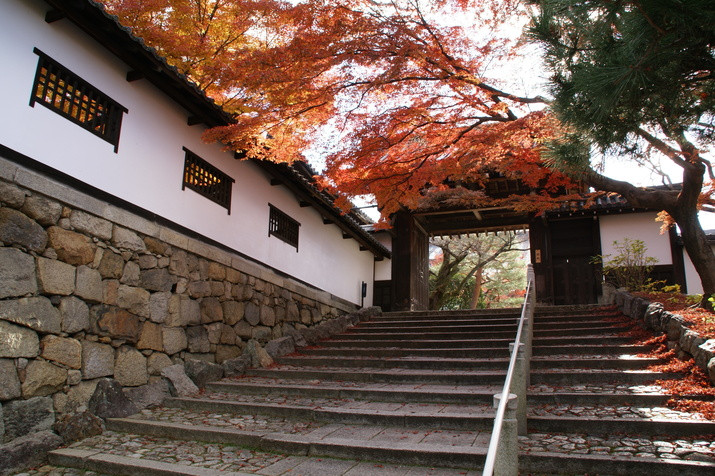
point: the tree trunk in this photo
(477, 288)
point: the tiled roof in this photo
(93, 19)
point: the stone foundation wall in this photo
(686, 342)
(89, 291)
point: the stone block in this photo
(156, 362)
(17, 341)
(262, 334)
(652, 315)
(130, 367)
(23, 417)
(108, 401)
(675, 327)
(149, 395)
(44, 211)
(280, 347)
(232, 311)
(199, 289)
(74, 315)
(116, 323)
(181, 384)
(111, 266)
(151, 337)
(257, 355)
(91, 225)
(183, 311)
(243, 329)
(211, 310)
(132, 274)
(267, 316)
(226, 352)
(110, 292)
(711, 370)
(214, 332)
(156, 246)
(42, 378)
(234, 367)
(179, 265)
(12, 195)
(27, 451)
(159, 306)
(201, 372)
(157, 279)
(298, 338)
(147, 261)
(126, 239)
(77, 397)
(198, 339)
(17, 273)
(252, 314)
(73, 248)
(133, 299)
(9, 382)
(174, 339)
(63, 350)
(88, 285)
(227, 336)
(78, 426)
(55, 277)
(97, 360)
(37, 313)
(704, 352)
(16, 228)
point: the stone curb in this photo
(559, 463)
(372, 376)
(630, 377)
(633, 399)
(654, 318)
(351, 416)
(393, 363)
(114, 464)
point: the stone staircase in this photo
(411, 394)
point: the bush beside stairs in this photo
(411, 394)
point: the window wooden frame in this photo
(60, 90)
(283, 226)
(205, 179)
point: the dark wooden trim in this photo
(134, 75)
(54, 15)
(194, 121)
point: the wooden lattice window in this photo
(283, 227)
(207, 180)
(65, 93)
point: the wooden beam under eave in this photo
(362, 248)
(327, 221)
(54, 15)
(193, 121)
(304, 204)
(346, 236)
(276, 182)
(134, 75)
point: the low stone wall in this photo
(90, 291)
(686, 342)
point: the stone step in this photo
(604, 426)
(459, 353)
(406, 415)
(510, 323)
(445, 448)
(421, 376)
(460, 343)
(585, 349)
(585, 376)
(433, 393)
(471, 333)
(595, 362)
(383, 362)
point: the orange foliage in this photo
(394, 91)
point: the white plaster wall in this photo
(147, 170)
(383, 269)
(640, 226)
(692, 280)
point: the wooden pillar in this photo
(541, 259)
(410, 264)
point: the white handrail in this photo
(501, 410)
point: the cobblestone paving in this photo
(232, 458)
(255, 423)
(620, 411)
(662, 447)
(352, 404)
